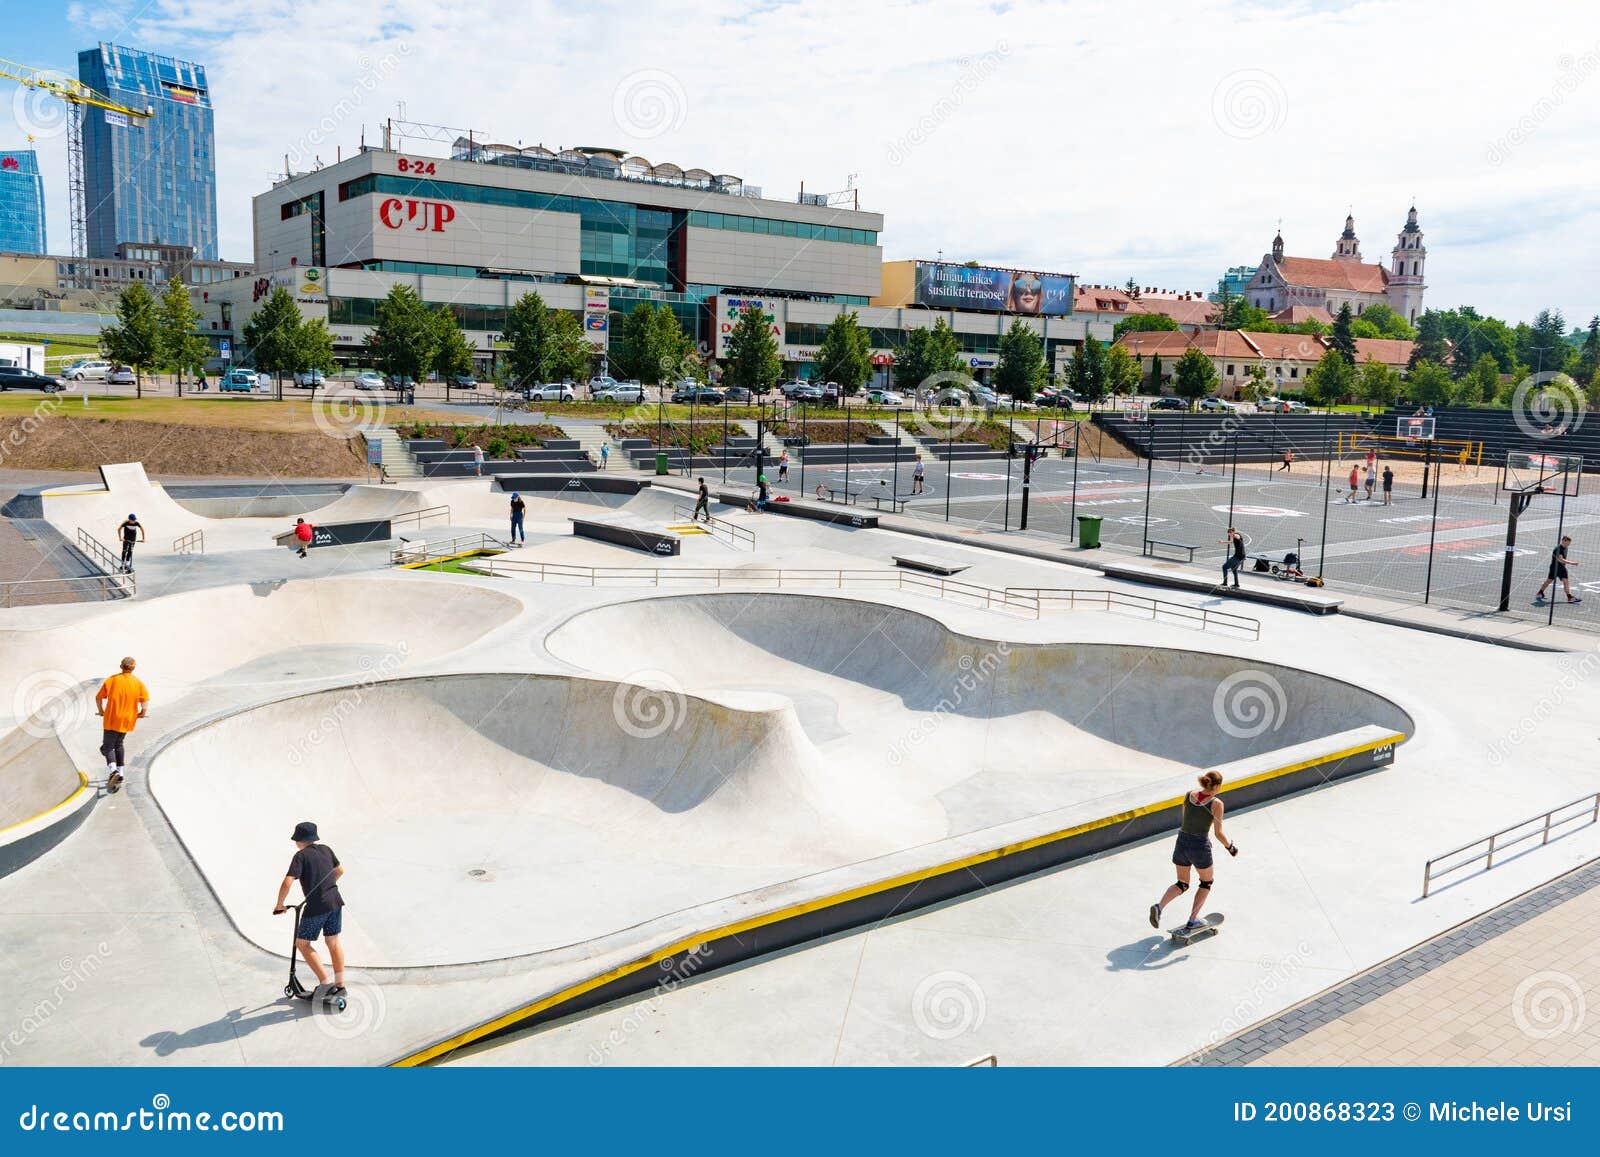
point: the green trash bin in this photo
(1089, 531)
(661, 463)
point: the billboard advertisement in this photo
(943, 286)
(729, 309)
(597, 315)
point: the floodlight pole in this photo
(1433, 530)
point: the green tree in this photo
(135, 339)
(1155, 373)
(1385, 322)
(567, 350)
(650, 344)
(405, 335)
(182, 346)
(1589, 353)
(1433, 342)
(1122, 371)
(525, 334)
(1481, 386)
(928, 351)
(1255, 386)
(1086, 374)
(273, 335)
(752, 360)
(1377, 383)
(1240, 314)
(1429, 384)
(845, 354)
(1143, 323)
(1194, 377)
(1543, 345)
(1330, 379)
(1342, 341)
(316, 347)
(1021, 369)
(452, 354)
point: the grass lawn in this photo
(286, 417)
(62, 348)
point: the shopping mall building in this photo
(596, 232)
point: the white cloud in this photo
(1162, 141)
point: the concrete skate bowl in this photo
(43, 797)
(494, 815)
(990, 731)
(237, 636)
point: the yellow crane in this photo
(76, 95)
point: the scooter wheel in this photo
(338, 1004)
(288, 990)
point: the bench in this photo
(1150, 545)
(838, 494)
(897, 502)
(741, 500)
(926, 563)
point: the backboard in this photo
(1414, 429)
(1535, 472)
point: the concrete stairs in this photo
(906, 439)
(590, 436)
(397, 460)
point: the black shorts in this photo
(1556, 572)
(1191, 851)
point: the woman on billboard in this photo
(1027, 293)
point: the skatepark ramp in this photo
(43, 796)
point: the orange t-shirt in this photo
(122, 692)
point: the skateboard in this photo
(1208, 927)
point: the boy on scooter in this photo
(318, 870)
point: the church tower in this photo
(1348, 247)
(1277, 247)
(1405, 270)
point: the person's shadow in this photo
(1143, 955)
(234, 1023)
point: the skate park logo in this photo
(1248, 704)
(48, 703)
(1547, 405)
(947, 1005)
(648, 704)
(1548, 1004)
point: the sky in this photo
(1159, 141)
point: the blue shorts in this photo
(313, 926)
(1192, 851)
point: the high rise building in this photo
(21, 203)
(150, 182)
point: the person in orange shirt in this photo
(120, 702)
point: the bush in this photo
(498, 448)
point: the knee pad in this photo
(1182, 886)
(1205, 885)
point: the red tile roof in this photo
(1184, 311)
(1390, 351)
(1295, 314)
(1326, 274)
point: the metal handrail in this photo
(1201, 618)
(14, 589)
(1546, 824)
(429, 551)
(736, 534)
(419, 515)
(194, 541)
(111, 565)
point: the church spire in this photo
(1277, 247)
(1349, 246)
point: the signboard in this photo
(597, 315)
(945, 286)
(729, 309)
(119, 119)
(374, 452)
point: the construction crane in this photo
(76, 96)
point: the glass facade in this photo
(21, 203)
(775, 228)
(149, 180)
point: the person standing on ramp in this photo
(130, 530)
(518, 509)
(1202, 813)
(702, 503)
(121, 703)
(318, 870)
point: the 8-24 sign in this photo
(421, 168)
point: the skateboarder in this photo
(121, 703)
(130, 530)
(1202, 813)
(318, 870)
(1234, 563)
(1558, 572)
(916, 477)
(302, 535)
(702, 502)
(1388, 486)
(518, 509)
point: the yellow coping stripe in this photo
(450, 558)
(83, 786)
(561, 996)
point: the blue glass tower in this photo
(21, 203)
(155, 180)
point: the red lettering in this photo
(386, 210)
(428, 215)
(442, 215)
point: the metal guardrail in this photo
(192, 543)
(411, 553)
(418, 515)
(36, 592)
(110, 565)
(736, 535)
(1159, 610)
(1540, 826)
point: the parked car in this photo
(461, 382)
(369, 381)
(121, 376)
(951, 396)
(601, 383)
(309, 379)
(21, 378)
(551, 392)
(89, 371)
(1169, 404)
(1297, 407)
(693, 393)
(1217, 405)
(628, 393)
(885, 398)
(1272, 406)
(238, 381)
(788, 388)
(737, 394)
(806, 392)
(400, 383)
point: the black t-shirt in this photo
(1388, 478)
(703, 492)
(1558, 557)
(130, 531)
(313, 866)
(518, 506)
(1238, 547)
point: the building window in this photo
(1294, 371)
(1230, 370)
